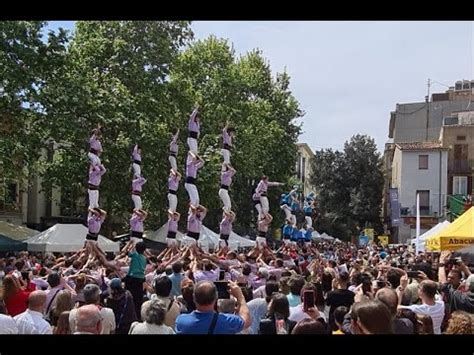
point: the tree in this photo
(26, 63)
(116, 74)
(349, 186)
(260, 107)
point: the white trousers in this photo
(287, 211)
(137, 170)
(258, 207)
(261, 242)
(172, 202)
(226, 155)
(193, 145)
(309, 221)
(293, 219)
(188, 241)
(224, 195)
(93, 159)
(193, 193)
(137, 201)
(171, 242)
(264, 203)
(93, 198)
(172, 160)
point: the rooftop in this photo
(420, 146)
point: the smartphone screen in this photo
(308, 299)
(412, 274)
(222, 289)
(221, 275)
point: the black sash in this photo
(171, 235)
(262, 234)
(137, 193)
(225, 187)
(193, 235)
(226, 146)
(224, 237)
(138, 162)
(192, 134)
(93, 187)
(136, 234)
(92, 236)
(93, 151)
(173, 154)
(173, 192)
(190, 180)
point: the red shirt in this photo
(18, 303)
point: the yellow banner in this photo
(383, 239)
(448, 243)
(369, 232)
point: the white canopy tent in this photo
(65, 238)
(16, 232)
(208, 239)
(316, 235)
(422, 238)
(160, 234)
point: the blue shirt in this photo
(287, 229)
(293, 300)
(295, 206)
(285, 199)
(176, 284)
(308, 235)
(295, 236)
(199, 323)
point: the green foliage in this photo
(349, 186)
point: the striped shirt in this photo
(263, 185)
(95, 174)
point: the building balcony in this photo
(461, 166)
(425, 211)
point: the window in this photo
(424, 201)
(422, 162)
(461, 138)
(459, 185)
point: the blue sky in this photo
(348, 76)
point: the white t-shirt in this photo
(7, 325)
(148, 328)
(436, 312)
(108, 320)
(297, 314)
(32, 322)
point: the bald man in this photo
(88, 320)
(389, 297)
(31, 321)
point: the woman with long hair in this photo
(62, 324)
(277, 321)
(14, 295)
(63, 303)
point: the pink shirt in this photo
(172, 225)
(226, 177)
(227, 139)
(136, 223)
(95, 143)
(263, 225)
(138, 183)
(193, 124)
(174, 144)
(173, 182)
(226, 225)
(95, 174)
(94, 223)
(192, 166)
(195, 222)
(135, 154)
(263, 186)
